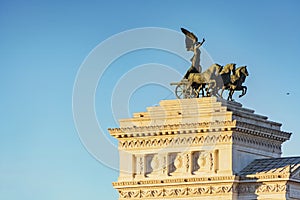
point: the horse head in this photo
(227, 69)
(240, 75)
(217, 69)
(244, 70)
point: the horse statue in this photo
(200, 80)
(224, 77)
(235, 83)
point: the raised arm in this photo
(203, 40)
(199, 44)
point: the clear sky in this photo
(44, 43)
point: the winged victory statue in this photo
(192, 44)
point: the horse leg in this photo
(244, 91)
(223, 88)
(202, 90)
(197, 94)
(198, 90)
(213, 88)
(230, 95)
(208, 93)
(217, 93)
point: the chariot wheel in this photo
(184, 91)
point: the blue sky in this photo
(44, 43)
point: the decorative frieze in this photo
(261, 187)
(175, 192)
(198, 190)
(191, 140)
(160, 142)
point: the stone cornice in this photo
(284, 174)
(261, 143)
(199, 133)
(205, 180)
(264, 132)
(265, 177)
(172, 129)
(204, 127)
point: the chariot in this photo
(184, 89)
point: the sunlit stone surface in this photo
(204, 148)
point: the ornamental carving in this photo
(176, 191)
(154, 165)
(261, 188)
(267, 188)
(204, 161)
(178, 141)
(178, 163)
(199, 139)
(202, 190)
(129, 194)
(257, 141)
(152, 193)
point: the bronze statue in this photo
(214, 79)
(225, 76)
(192, 44)
(206, 80)
(236, 82)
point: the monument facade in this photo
(204, 148)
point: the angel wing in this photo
(190, 38)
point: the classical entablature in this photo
(199, 148)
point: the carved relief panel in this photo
(205, 161)
(156, 165)
(176, 164)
